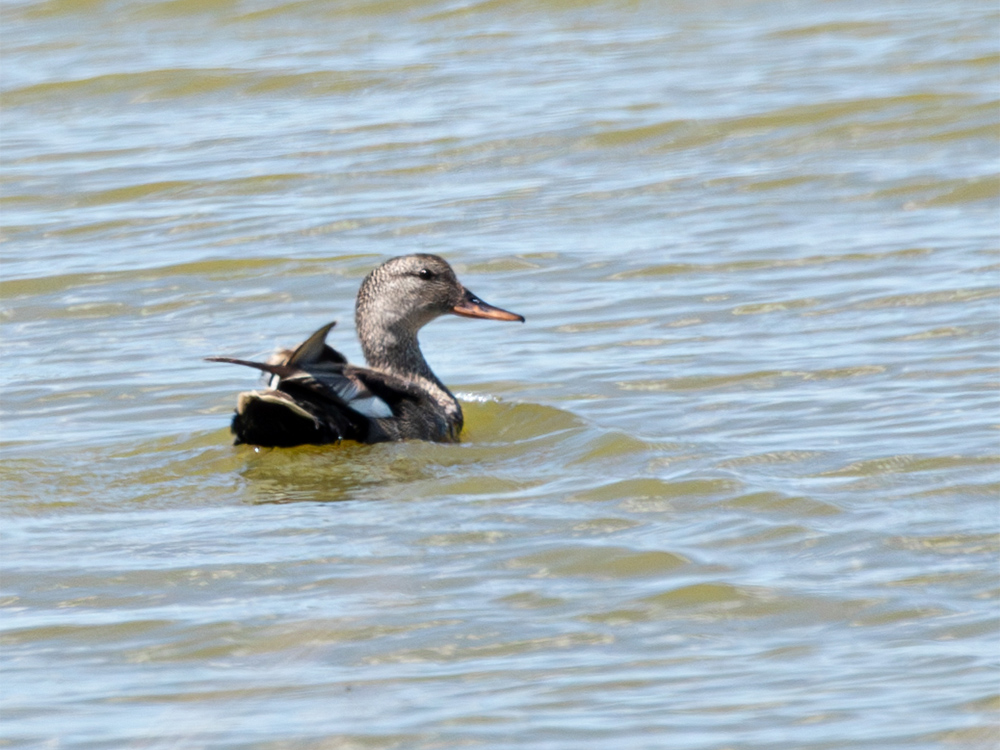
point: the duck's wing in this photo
(304, 406)
(297, 409)
(365, 392)
(315, 351)
(315, 397)
(347, 387)
(381, 395)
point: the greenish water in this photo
(733, 485)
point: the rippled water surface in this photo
(733, 485)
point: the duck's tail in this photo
(274, 419)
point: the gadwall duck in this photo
(314, 396)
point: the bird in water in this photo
(314, 396)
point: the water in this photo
(734, 484)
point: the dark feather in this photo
(316, 398)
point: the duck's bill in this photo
(473, 307)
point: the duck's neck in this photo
(394, 348)
(395, 351)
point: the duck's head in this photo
(406, 293)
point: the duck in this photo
(314, 396)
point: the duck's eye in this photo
(426, 274)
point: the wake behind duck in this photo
(314, 395)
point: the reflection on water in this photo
(734, 483)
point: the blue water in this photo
(733, 484)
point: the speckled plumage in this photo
(315, 396)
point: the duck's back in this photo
(305, 407)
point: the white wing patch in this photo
(351, 391)
(372, 406)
